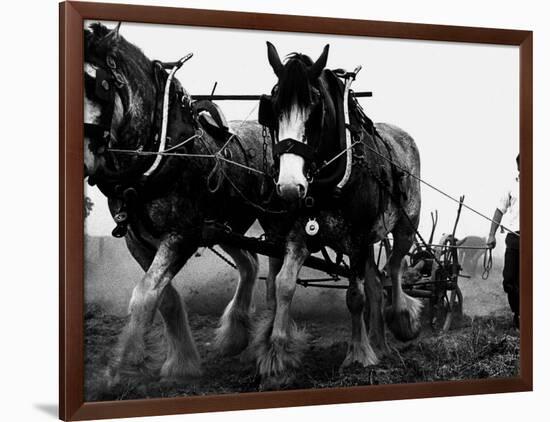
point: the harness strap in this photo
(349, 154)
(102, 87)
(165, 109)
(292, 146)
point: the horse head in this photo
(119, 100)
(297, 119)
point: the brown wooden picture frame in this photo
(71, 265)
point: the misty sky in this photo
(460, 102)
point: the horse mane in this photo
(294, 84)
(100, 42)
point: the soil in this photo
(480, 344)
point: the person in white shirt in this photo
(509, 207)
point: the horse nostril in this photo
(278, 189)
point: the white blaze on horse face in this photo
(92, 114)
(292, 183)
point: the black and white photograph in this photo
(277, 211)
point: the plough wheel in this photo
(447, 294)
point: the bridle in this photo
(267, 117)
(102, 87)
(314, 163)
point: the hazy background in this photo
(458, 101)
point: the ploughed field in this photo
(481, 344)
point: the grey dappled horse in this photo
(304, 114)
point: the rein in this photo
(487, 263)
(101, 134)
(218, 156)
(437, 189)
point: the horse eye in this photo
(315, 95)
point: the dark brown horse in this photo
(161, 204)
(306, 119)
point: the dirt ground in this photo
(480, 344)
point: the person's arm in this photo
(497, 218)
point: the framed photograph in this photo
(266, 210)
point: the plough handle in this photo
(458, 214)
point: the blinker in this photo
(266, 114)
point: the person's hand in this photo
(491, 242)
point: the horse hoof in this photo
(275, 357)
(276, 382)
(232, 336)
(361, 354)
(112, 377)
(382, 350)
(180, 369)
(403, 327)
(404, 322)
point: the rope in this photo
(240, 127)
(181, 144)
(247, 200)
(168, 153)
(441, 191)
(398, 204)
(222, 257)
(487, 263)
(327, 163)
(435, 245)
(217, 156)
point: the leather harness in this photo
(133, 182)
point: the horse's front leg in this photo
(403, 317)
(278, 344)
(374, 311)
(359, 349)
(233, 332)
(153, 292)
(275, 265)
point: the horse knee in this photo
(286, 287)
(373, 289)
(254, 264)
(142, 302)
(249, 268)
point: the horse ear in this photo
(317, 67)
(274, 59)
(114, 33)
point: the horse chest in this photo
(345, 234)
(335, 232)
